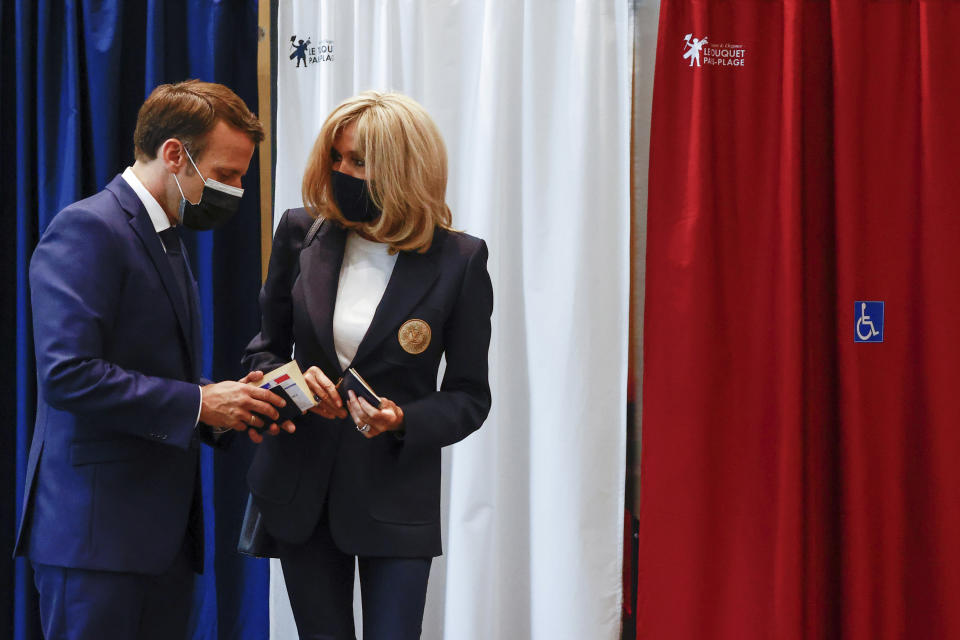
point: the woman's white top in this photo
(364, 275)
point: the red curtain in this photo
(796, 483)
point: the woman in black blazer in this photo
(387, 287)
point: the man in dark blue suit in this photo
(112, 518)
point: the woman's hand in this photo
(325, 393)
(371, 421)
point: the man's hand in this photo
(257, 436)
(232, 404)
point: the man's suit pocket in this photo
(91, 451)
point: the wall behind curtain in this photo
(533, 101)
(73, 76)
(796, 483)
(644, 21)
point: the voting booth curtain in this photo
(532, 99)
(801, 449)
(73, 76)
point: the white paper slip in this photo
(290, 379)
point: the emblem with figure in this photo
(692, 47)
(414, 336)
(299, 50)
(305, 52)
(869, 321)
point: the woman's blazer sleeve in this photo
(464, 399)
(273, 346)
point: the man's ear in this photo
(173, 155)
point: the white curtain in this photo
(533, 100)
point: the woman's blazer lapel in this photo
(412, 277)
(319, 276)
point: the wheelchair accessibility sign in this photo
(869, 322)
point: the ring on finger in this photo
(363, 428)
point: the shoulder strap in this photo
(307, 239)
(311, 232)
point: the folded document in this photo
(288, 383)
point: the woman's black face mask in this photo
(353, 198)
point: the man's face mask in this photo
(218, 203)
(353, 198)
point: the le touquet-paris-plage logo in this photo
(703, 54)
(306, 53)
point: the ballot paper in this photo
(288, 383)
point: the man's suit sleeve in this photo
(76, 278)
(464, 399)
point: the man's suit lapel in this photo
(195, 317)
(412, 277)
(319, 277)
(143, 226)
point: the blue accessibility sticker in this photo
(868, 321)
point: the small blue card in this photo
(868, 321)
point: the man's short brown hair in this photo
(188, 111)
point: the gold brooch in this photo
(414, 336)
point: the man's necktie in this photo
(171, 242)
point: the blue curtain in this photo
(73, 75)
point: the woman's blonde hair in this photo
(406, 165)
